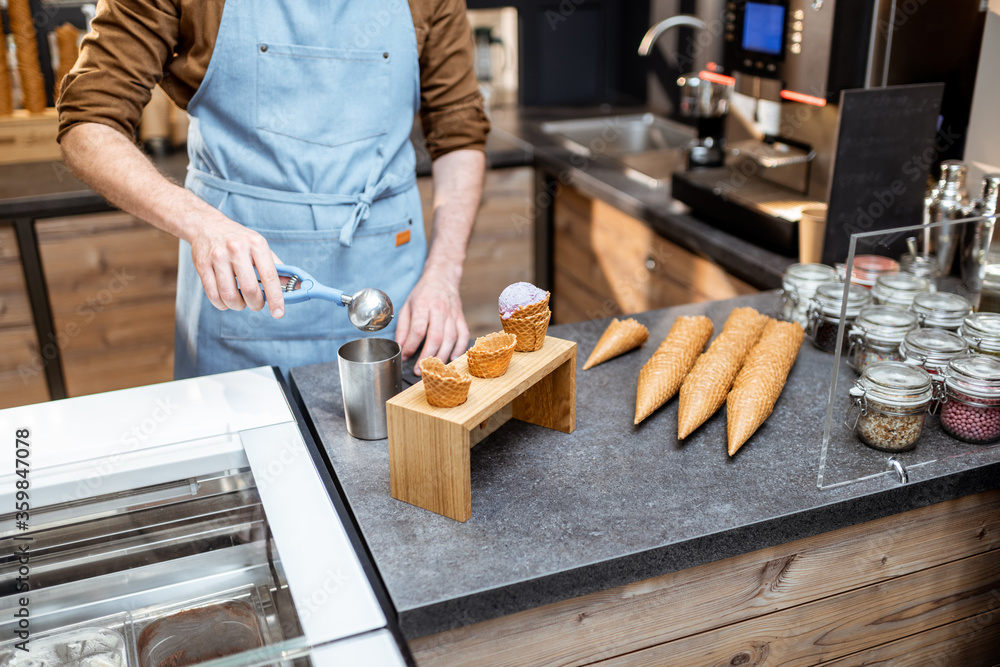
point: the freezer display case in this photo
(178, 524)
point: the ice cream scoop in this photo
(369, 309)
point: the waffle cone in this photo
(620, 337)
(759, 383)
(490, 356)
(66, 38)
(22, 26)
(6, 88)
(444, 386)
(661, 376)
(705, 388)
(530, 331)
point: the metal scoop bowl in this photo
(368, 309)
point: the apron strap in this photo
(375, 188)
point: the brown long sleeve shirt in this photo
(135, 44)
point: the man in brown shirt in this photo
(135, 45)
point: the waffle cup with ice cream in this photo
(524, 312)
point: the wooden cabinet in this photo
(918, 588)
(607, 263)
(22, 374)
(500, 249)
(111, 282)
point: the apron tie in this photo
(362, 209)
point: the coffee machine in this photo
(791, 61)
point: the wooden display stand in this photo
(429, 446)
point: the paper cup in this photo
(812, 227)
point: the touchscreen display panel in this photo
(763, 28)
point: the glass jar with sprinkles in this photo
(890, 403)
(899, 289)
(941, 310)
(824, 313)
(798, 286)
(867, 268)
(970, 409)
(982, 330)
(932, 349)
(877, 335)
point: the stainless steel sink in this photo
(649, 148)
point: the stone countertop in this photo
(556, 515)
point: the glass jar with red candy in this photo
(970, 409)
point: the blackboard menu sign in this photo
(887, 141)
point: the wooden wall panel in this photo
(22, 376)
(112, 281)
(500, 250)
(724, 600)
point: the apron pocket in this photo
(320, 95)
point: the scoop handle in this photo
(311, 288)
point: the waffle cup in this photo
(490, 356)
(706, 386)
(759, 384)
(533, 309)
(444, 386)
(22, 26)
(620, 337)
(662, 375)
(530, 330)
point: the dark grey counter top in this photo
(555, 516)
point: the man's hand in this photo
(433, 313)
(434, 309)
(223, 251)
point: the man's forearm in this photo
(118, 171)
(228, 257)
(458, 189)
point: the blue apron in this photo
(300, 131)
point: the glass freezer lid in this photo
(223, 548)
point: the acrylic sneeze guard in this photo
(843, 458)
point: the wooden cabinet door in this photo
(112, 280)
(608, 263)
(22, 367)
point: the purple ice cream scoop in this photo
(518, 295)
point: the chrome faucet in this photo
(659, 28)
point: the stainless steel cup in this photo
(371, 373)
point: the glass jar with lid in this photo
(867, 268)
(982, 331)
(922, 264)
(890, 403)
(824, 313)
(932, 349)
(899, 289)
(941, 310)
(970, 409)
(877, 335)
(798, 286)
